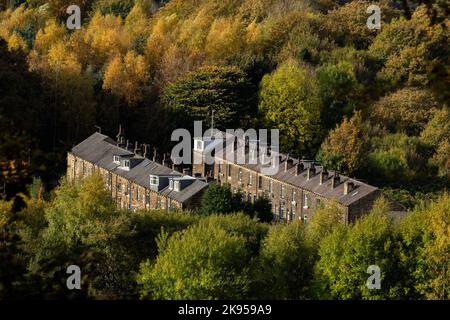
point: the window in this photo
(270, 186)
(260, 182)
(126, 163)
(171, 184)
(137, 194)
(240, 175)
(198, 144)
(176, 185)
(282, 191)
(158, 202)
(253, 154)
(119, 187)
(250, 179)
(154, 180)
(219, 168)
(229, 170)
(305, 201)
(305, 218)
(318, 203)
(116, 159)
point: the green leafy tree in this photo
(286, 263)
(397, 157)
(262, 209)
(442, 158)
(437, 129)
(204, 261)
(226, 91)
(348, 251)
(290, 101)
(83, 228)
(217, 199)
(425, 255)
(338, 88)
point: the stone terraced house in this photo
(134, 181)
(295, 191)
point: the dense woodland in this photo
(372, 104)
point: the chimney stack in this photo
(186, 171)
(289, 163)
(137, 149)
(335, 181)
(299, 167)
(119, 135)
(145, 150)
(323, 175)
(311, 171)
(128, 145)
(154, 154)
(348, 187)
(164, 161)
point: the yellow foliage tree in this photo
(127, 77)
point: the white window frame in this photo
(176, 185)
(153, 179)
(305, 200)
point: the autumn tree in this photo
(344, 148)
(127, 77)
(412, 52)
(347, 24)
(406, 110)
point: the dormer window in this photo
(126, 163)
(116, 159)
(198, 145)
(176, 185)
(154, 181)
(171, 184)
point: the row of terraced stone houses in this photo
(295, 191)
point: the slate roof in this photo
(313, 185)
(99, 149)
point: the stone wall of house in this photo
(288, 202)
